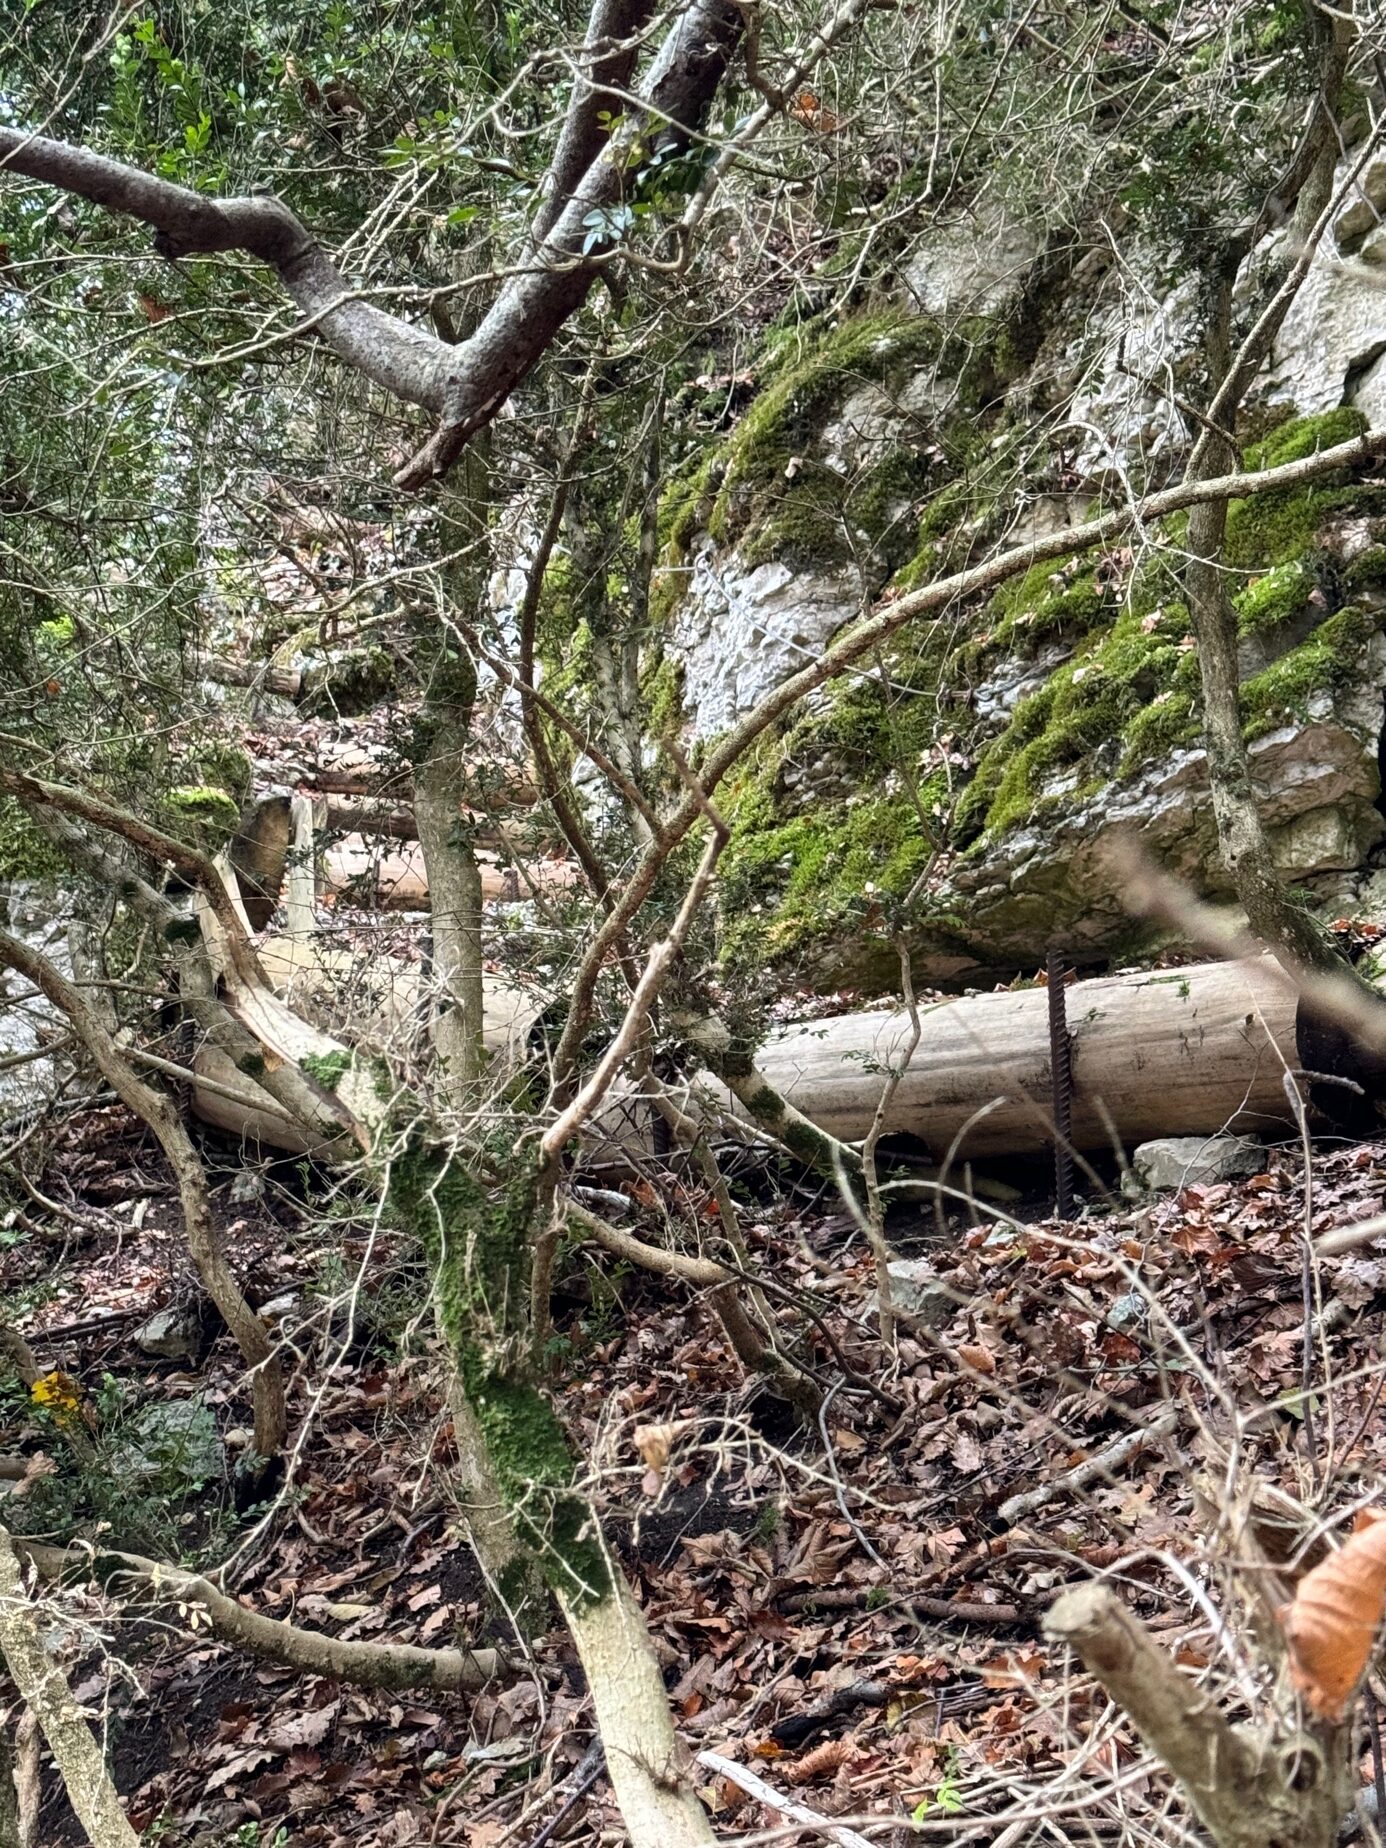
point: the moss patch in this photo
(1328, 663)
(1277, 598)
(478, 1244)
(202, 815)
(1280, 527)
(328, 1070)
(842, 863)
(779, 494)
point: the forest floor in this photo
(852, 1611)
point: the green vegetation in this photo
(796, 880)
(202, 815)
(1271, 601)
(779, 497)
(1327, 663)
(1281, 527)
(24, 852)
(327, 1069)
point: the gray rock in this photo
(175, 1444)
(916, 1288)
(976, 265)
(1184, 1161)
(171, 1334)
(284, 1304)
(1333, 331)
(740, 631)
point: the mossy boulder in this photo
(345, 681)
(965, 793)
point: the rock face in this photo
(1052, 883)
(1013, 742)
(740, 631)
(1332, 347)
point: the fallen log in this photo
(358, 872)
(370, 1003)
(263, 676)
(395, 820)
(1180, 1052)
(1174, 1052)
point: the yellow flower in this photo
(58, 1393)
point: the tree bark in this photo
(649, 1767)
(46, 1693)
(1246, 851)
(440, 777)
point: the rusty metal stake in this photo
(1061, 1083)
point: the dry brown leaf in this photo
(1333, 1620)
(980, 1359)
(822, 1760)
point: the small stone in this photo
(247, 1187)
(1188, 1161)
(171, 1334)
(280, 1305)
(1127, 1309)
(917, 1288)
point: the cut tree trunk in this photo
(1177, 1052)
(359, 873)
(365, 815)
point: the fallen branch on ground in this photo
(791, 1810)
(1101, 1463)
(371, 1665)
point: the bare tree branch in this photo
(463, 386)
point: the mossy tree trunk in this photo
(479, 1243)
(617, 710)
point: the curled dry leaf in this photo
(1334, 1617)
(822, 1760)
(654, 1442)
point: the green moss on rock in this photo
(1328, 663)
(1281, 527)
(1367, 570)
(778, 494)
(1271, 601)
(327, 1069)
